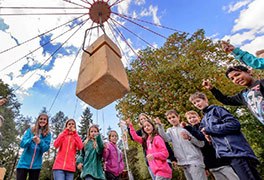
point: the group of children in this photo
(215, 143)
(97, 160)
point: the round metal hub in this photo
(99, 12)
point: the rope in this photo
(75, 3)
(40, 8)
(37, 14)
(65, 78)
(74, 112)
(143, 27)
(165, 27)
(41, 34)
(38, 48)
(115, 3)
(50, 56)
(116, 22)
(111, 30)
(124, 39)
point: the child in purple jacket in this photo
(114, 164)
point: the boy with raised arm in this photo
(251, 96)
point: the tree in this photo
(86, 121)
(164, 78)
(9, 142)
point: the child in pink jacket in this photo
(156, 151)
(114, 164)
(68, 142)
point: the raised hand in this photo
(227, 47)
(207, 84)
(157, 120)
(128, 122)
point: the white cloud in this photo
(154, 11)
(151, 11)
(236, 6)
(123, 7)
(140, 2)
(248, 28)
(251, 17)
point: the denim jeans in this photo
(245, 168)
(63, 175)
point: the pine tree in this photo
(86, 121)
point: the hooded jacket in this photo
(224, 130)
(31, 157)
(113, 159)
(68, 143)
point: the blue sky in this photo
(241, 21)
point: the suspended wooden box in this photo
(102, 77)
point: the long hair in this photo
(145, 135)
(68, 122)
(88, 132)
(36, 129)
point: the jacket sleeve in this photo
(100, 144)
(195, 141)
(106, 153)
(44, 144)
(162, 152)
(27, 139)
(78, 141)
(80, 157)
(197, 134)
(171, 154)
(163, 134)
(59, 141)
(134, 135)
(235, 100)
(224, 123)
(248, 59)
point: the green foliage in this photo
(164, 78)
(86, 120)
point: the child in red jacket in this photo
(156, 151)
(68, 142)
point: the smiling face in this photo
(148, 127)
(42, 120)
(113, 137)
(193, 119)
(241, 78)
(200, 103)
(173, 119)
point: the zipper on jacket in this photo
(33, 157)
(66, 155)
(228, 144)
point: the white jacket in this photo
(186, 152)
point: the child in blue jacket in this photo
(35, 142)
(224, 131)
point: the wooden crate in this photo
(102, 77)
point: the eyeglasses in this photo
(70, 124)
(43, 119)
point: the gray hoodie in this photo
(186, 151)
